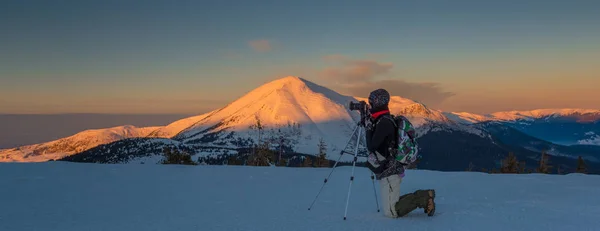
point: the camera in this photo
(360, 106)
(363, 108)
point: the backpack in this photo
(405, 149)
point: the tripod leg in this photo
(352, 176)
(375, 191)
(325, 181)
(332, 169)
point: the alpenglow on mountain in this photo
(297, 114)
(294, 106)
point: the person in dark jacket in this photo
(380, 136)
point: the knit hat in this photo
(379, 99)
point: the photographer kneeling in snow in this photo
(381, 134)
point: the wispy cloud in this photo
(262, 45)
(359, 77)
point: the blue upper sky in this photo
(181, 56)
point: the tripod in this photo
(358, 132)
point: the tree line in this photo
(512, 165)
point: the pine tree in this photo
(233, 160)
(175, 156)
(510, 164)
(262, 156)
(258, 126)
(322, 156)
(307, 162)
(283, 162)
(522, 168)
(581, 166)
(544, 167)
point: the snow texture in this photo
(319, 112)
(73, 144)
(73, 196)
(594, 140)
(280, 105)
(465, 117)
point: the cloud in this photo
(262, 45)
(360, 77)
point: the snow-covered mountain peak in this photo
(580, 115)
(418, 113)
(291, 107)
(466, 117)
(540, 113)
(289, 100)
(81, 141)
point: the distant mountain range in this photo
(297, 114)
(561, 126)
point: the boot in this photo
(406, 204)
(427, 201)
(419, 199)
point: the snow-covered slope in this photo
(417, 113)
(73, 197)
(466, 117)
(73, 144)
(591, 139)
(277, 103)
(300, 111)
(580, 115)
(561, 126)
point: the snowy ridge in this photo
(73, 144)
(593, 140)
(466, 117)
(294, 108)
(511, 116)
(291, 107)
(173, 128)
(540, 113)
(417, 113)
(302, 112)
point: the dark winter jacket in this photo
(380, 139)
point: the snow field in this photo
(74, 196)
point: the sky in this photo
(191, 57)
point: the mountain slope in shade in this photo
(561, 126)
(73, 144)
(516, 138)
(591, 138)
